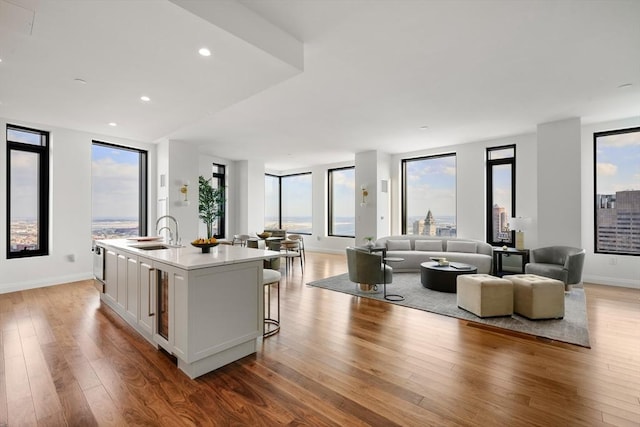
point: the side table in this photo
(391, 297)
(499, 253)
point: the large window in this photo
(501, 194)
(429, 195)
(617, 191)
(342, 217)
(119, 191)
(27, 192)
(218, 181)
(288, 202)
(271, 202)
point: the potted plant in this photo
(369, 241)
(210, 203)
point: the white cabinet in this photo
(147, 297)
(207, 317)
(122, 281)
(132, 306)
(111, 276)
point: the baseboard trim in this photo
(611, 281)
(42, 283)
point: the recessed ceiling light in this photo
(113, 124)
(425, 127)
(145, 98)
(81, 81)
(625, 85)
(204, 51)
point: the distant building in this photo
(500, 224)
(426, 226)
(618, 222)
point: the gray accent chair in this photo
(563, 263)
(367, 269)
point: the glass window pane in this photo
(115, 191)
(502, 202)
(342, 200)
(24, 202)
(617, 198)
(25, 137)
(501, 153)
(296, 203)
(430, 196)
(271, 202)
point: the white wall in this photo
(471, 184)
(620, 270)
(559, 189)
(71, 195)
(70, 216)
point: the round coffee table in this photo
(443, 277)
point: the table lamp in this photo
(519, 224)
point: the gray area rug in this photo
(572, 329)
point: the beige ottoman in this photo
(537, 297)
(484, 295)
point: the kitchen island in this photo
(204, 308)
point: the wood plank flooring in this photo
(337, 361)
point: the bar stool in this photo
(271, 277)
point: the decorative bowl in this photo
(206, 247)
(264, 234)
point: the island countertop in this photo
(189, 257)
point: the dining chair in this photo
(241, 239)
(300, 240)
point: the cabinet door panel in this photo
(111, 275)
(147, 281)
(132, 289)
(122, 281)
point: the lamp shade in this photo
(519, 223)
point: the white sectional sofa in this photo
(416, 249)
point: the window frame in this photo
(143, 182)
(597, 135)
(279, 177)
(330, 201)
(42, 151)
(489, 200)
(220, 178)
(403, 185)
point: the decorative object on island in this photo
(210, 203)
(264, 235)
(365, 193)
(205, 244)
(519, 224)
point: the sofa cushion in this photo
(428, 245)
(461, 246)
(398, 245)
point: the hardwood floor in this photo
(338, 360)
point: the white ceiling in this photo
(374, 73)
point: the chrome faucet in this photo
(170, 233)
(177, 242)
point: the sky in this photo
(618, 163)
(431, 186)
(114, 186)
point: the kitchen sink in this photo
(149, 247)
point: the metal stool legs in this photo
(271, 325)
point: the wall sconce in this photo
(184, 189)
(365, 193)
